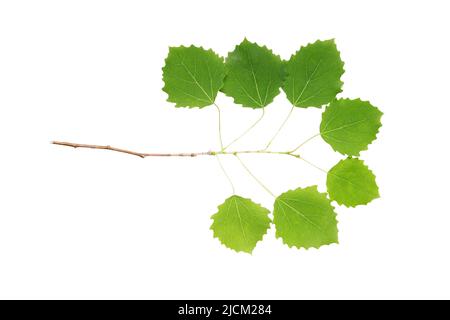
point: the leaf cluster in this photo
(253, 76)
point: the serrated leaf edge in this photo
(277, 236)
(165, 65)
(257, 241)
(360, 204)
(286, 74)
(269, 50)
(357, 155)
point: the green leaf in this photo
(254, 75)
(313, 75)
(305, 218)
(349, 126)
(240, 223)
(192, 76)
(351, 183)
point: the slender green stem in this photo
(226, 174)
(219, 125)
(246, 131)
(313, 165)
(280, 128)
(252, 151)
(194, 154)
(305, 142)
(171, 154)
(254, 177)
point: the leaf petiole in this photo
(226, 174)
(254, 177)
(246, 131)
(280, 128)
(219, 125)
(313, 165)
(305, 142)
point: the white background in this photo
(97, 224)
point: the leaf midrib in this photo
(240, 220)
(310, 78)
(351, 182)
(254, 77)
(351, 124)
(301, 215)
(195, 80)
